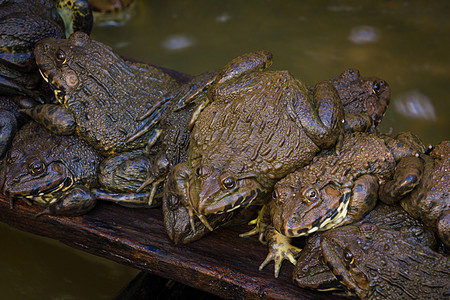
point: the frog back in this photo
(249, 124)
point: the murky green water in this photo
(407, 43)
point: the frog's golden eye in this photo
(229, 183)
(348, 257)
(61, 56)
(36, 167)
(311, 195)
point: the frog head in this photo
(217, 191)
(66, 63)
(32, 177)
(302, 208)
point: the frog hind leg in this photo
(364, 198)
(132, 200)
(8, 128)
(53, 117)
(407, 176)
(280, 248)
(75, 202)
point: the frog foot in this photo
(280, 249)
(259, 228)
(155, 182)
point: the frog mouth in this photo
(59, 93)
(50, 195)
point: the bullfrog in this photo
(258, 126)
(365, 99)
(53, 171)
(22, 24)
(175, 190)
(374, 262)
(311, 270)
(334, 189)
(420, 184)
(104, 94)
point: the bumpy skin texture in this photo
(421, 185)
(362, 97)
(105, 94)
(259, 127)
(41, 166)
(311, 270)
(310, 196)
(22, 24)
(374, 262)
(333, 190)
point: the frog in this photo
(420, 185)
(104, 94)
(375, 262)
(311, 270)
(53, 171)
(22, 24)
(256, 127)
(196, 91)
(333, 190)
(365, 99)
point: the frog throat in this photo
(327, 221)
(50, 195)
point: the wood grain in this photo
(220, 263)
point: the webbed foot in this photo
(280, 248)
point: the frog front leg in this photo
(280, 248)
(53, 117)
(321, 114)
(77, 201)
(364, 198)
(407, 176)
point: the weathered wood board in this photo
(220, 263)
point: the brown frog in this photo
(333, 190)
(375, 262)
(54, 171)
(365, 99)
(175, 212)
(22, 24)
(421, 185)
(311, 270)
(102, 94)
(258, 127)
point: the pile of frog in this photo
(302, 163)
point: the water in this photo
(406, 43)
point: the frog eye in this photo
(311, 195)
(348, 257)
(36, 167)
(198, 171)
(229, 183)
(61, 56)
(376, 87)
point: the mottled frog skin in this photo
(365, 99)
(22, 24)
(421, 184)
(374, 262)
(104, 94)
(258, 127)
(311, 270)
(334, 189)
(54, 171)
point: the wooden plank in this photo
(220, 263)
